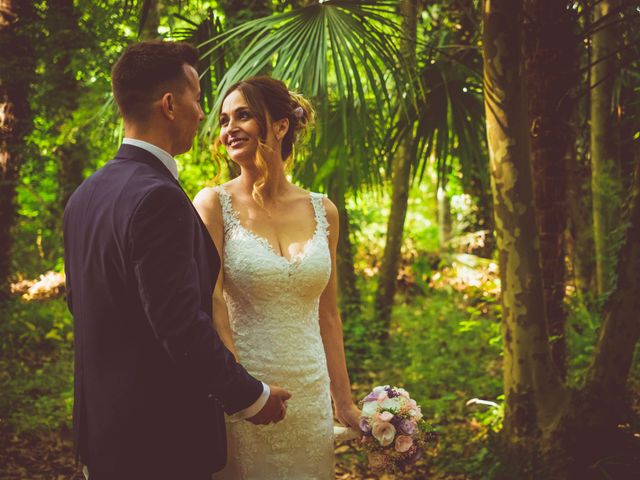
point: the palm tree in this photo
(346, 56)
(444, 122)
(401, 165)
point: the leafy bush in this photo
(36, 370)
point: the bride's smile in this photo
(239, 131)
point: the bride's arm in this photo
(207, 203)
(331, 331)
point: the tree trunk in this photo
(581, 248)
(605, 171)
(349, 295)
(621, 327)
(589, 436)
(150, 20)
(549, 431)
(444, 220)
(64, 91)
(17, 67)
(552, 71)
(400, 180)
(533, 390)
(477, 188)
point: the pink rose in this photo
(386, 416)
(384, 432)
(403, 443)
(382, 396)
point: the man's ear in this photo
(168, 105)
(280, 128)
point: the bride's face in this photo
(239, 129)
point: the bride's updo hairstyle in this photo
(267, 97)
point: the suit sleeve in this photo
(161, 236)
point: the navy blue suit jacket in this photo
(152, 377)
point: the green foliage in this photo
(446, 353)
(36, 370)
(582, 332)
(37, 396)
(30, 327)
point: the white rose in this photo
(369, 409)
(392, 403)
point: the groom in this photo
(152, 377)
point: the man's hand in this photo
(275, 409)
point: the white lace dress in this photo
(273, 312)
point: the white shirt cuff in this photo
(252, 410)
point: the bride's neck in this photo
(276, 184)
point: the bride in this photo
(275, 300)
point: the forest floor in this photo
(445, 349)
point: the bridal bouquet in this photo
(394, 432)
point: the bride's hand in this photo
(349, 415)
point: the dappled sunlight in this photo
(47, 286)
(464, 271)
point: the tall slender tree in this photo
(400, 182)
(580, 245)
(349, 295)
(61, 96)
(606, 183)
(552, 72)
(17, 70)
(150, 19)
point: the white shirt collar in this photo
(165, 157)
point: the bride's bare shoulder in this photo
(207, 203)
(205, 196)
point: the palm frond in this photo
(448, 120)
(340, 53)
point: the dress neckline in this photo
(296, 258)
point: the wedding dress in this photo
(273, 312)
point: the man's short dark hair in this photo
(146, 70)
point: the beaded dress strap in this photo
(322, 225)
(229, 216)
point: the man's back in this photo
(132, 400)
